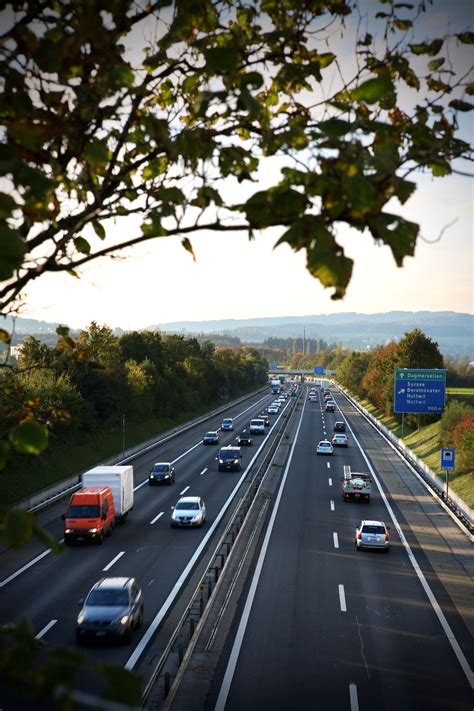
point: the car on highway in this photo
(265, 419)
(227, 424)
(257, 426)
(273, 410)
(327, 396)
(210, 438)
(372, 534)
(188, 511)
(324, 447)
(330, 406)
(339, 427)
(229, 458)
(161, 473)
(313, 398)
(340, 440)
(244, 439)
(112, 608)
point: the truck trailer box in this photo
(120, 481)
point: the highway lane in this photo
(145, 546)
(330, 627)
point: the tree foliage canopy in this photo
(167, 111)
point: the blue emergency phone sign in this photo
(447, 458)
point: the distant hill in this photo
(454, 332)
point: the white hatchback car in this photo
(372, 534)
(189, 511)
(325, 447)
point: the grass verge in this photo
(425, 443)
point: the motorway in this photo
(316, 624)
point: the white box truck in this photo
(120, 481)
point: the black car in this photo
(244, 439)
(210, 438)
(339, 427)
(113, 608)
(265, 418)
(162, 473)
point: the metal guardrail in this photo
(454, 505)
(203, 593)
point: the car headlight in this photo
(124, 620)
(166, 476)
(81, 618)
(236, 461)
(93, 530)
(221, 461)
(68, 530)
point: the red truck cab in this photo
(90, 515)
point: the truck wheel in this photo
(100, 539)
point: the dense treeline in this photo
(90, 382)
(370, 375)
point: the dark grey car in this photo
(113, 608)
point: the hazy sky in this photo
(235, 278)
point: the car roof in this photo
(230, 446)
(370, 522)
(227, 419)
(324, 441)
(116, 583)
(168, 464)
(211, 432)
(189, 499)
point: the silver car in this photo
(324, 447)
(189, 511)
(113, 608)
(372, 534)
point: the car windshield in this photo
(210, 434)
(161, 468)
(187, 505)
(226, 422)
(373, 529)
(84, 511)
(229, 454)
(108, 597)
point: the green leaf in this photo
(403, 24)
(466, 37)
(278, 206)
(7, 205)
(399, 234)
(96, 153)
(99, 229)
(4, 450)
(429, 48)
(253, 79)
(220, 60)
(325, 258)
(372, 90)
(5, 336)
(469, 89)
(335, 128)
(17, 528)
(153, 227)
(440, 168)
(82, 245)
(12, 251)
(459, 105)
(435, 64)
(29, 437)
(188, 247)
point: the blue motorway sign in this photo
(420, 390)
(273, 366)
(319, 370)
(447, 459)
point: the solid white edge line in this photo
(138, 651)
(429, 593)
(353, 698)
(114, 560)
(232, 663)
(342, 598)
(156, 518)
(184, 490)
(45, 629)
(335, 539)
(23, 568)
